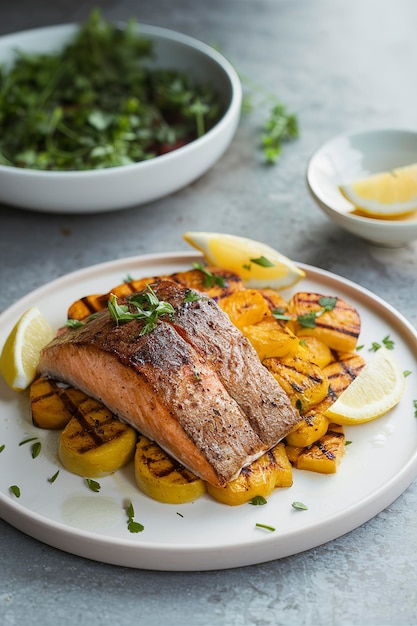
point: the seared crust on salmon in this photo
(193, 384)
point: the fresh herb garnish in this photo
(54, 477)
(308, 320)
(146, 307)
(99, 103)
(415, 407)
(192, 296)
(299, 506)
(280, 127)
(262, 261)
(280, 314)
(258, 501)
(93, 485)
(271, 528)
(15, 490)
(406, 373)
(133, 527)
(387, 342)
(210, 279)
(74, 323)
(2, 447)
(22, 443)
(36, 448)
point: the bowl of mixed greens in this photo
(101, 116)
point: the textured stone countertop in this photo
(339, 65)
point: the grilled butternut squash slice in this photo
(257, 479)
(270, 338)
(162, 478)
(338, 327)
(343, 371)
(308, 431)
(303, 380)
(53, 405)
(324, 455)
(94, 443)
(245, 307)
(320, 352)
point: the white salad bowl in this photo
(353, 155)
(126, 186)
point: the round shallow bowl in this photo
(130, 185)
(353, 155)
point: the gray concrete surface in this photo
(339, 65)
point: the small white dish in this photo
(91, 191)
(353, 155)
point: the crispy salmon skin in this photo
(193, 384)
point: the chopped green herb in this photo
(22, 443)
(74, 323)
(280, 314)
(258, 500)
(406, 373)
(147, 308)
(133, 527)
(128, 278)
(299, 506)
(347, 443)
(415, 407)
(99, 103)
(36, 448)
(271, 528)
(374, 347)
(388, 343)
(15, 490)
(361, 347)
(192, 296)
(2, 447)
(280, 127)
(262, 261)
(93, 485)
(210, 279)
(53, 478)
(308, 320)
(247, 266)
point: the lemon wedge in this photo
(258, 264)
(20, 355)
(385, 194)
(377, 389)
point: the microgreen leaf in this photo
(36, 449)
(262, 261)
(299, 506)
(93, 485)
(133, 527)
(210, 279)
(258, 501)
(54, 477)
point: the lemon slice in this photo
(20, 355)
(377, 389)
(258, 264)
(385, 194)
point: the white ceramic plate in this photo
(378, 465)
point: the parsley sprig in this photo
(146, 307)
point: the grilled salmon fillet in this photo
(196, 388)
